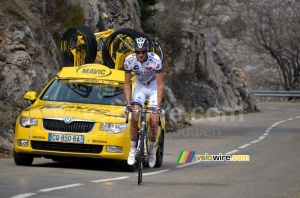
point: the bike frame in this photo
(142, 145)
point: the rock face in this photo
(209, 78)
(204, 76)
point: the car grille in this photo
(60, 125)
(66, 147)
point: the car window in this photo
(63, 91)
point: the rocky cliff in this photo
(202, 76)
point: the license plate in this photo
(66, 138)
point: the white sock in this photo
(152, 147)
(133, 145)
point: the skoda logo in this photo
(68, 120)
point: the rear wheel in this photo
(160, 150)
(23, 159)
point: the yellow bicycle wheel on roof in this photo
(78, 46)
(117, 46)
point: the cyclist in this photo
(147, 68)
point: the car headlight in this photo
(113, 127)
(28, 121)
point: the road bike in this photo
(80, 45)
(142, 157)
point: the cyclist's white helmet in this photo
(141, 43)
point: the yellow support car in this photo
(80, 113)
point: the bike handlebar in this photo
(147, 111)
(114, 17)
(123, 21)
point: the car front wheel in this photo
(23, 159)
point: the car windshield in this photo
(64, 91)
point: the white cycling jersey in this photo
(144, 72)
(146, 85)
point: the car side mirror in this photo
(31, 96)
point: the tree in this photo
(274, 31)
(146, 13)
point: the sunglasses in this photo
(141, 52)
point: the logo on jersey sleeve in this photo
(149, 68)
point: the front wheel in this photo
(140, 160)
(23, 159)
(140, 174)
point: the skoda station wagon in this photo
(79, 114)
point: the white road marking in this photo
(244, 146)
(231, 152)
(110, 179)
(60, 187)
(24, 195)
(262, 137)
(269, 130)
(248, 144)
(255, 141)
(188, 164)
(156, 172)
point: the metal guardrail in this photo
(265, 93)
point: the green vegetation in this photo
(69, 16)
(12, 9)
(146, 13)
(66, 15)
(165, 25)
(171, 33)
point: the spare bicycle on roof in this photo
(80, 45)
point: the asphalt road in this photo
(270, 138)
